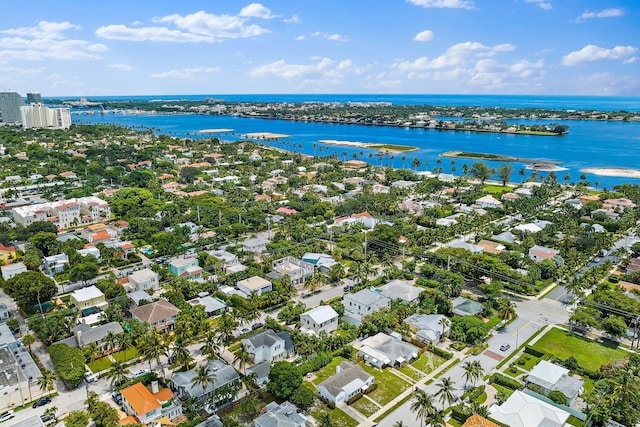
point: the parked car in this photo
(6, 416)
(245, 331)
(118, 383)
(117, 397)
(347, 288)
(47, 417)
(139, 373)
(505, 347)
(257, 326)
(90, 377)
(41, 402)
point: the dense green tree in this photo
(26, 288)
(284, 379)
(504, 172)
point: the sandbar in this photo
(382, 147)
(623, 172)
(216, 131)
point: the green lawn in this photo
(422, 362)
(507, 391)
(328, 370)
(100, 364)
(589, 354)
(131, 353)
(528, 360)
(410, 372)
(365, 406)
(493, 321)
(389, 385)
(495, 189)
(337, 416)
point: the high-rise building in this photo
(39, 116)
(34, 98)
(10, 103)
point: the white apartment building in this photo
(64, 213)
(39, 116)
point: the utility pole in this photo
(365, 248)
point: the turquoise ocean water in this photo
(589, 143)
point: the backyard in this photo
(389, 385)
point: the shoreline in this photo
(381, 148)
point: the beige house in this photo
(160, 314)
(88, 297)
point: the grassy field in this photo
(422, 363)
(338, 417)
(328, 370)
(494, 189)
(389, 385)
(528, 361)
(365, 406)
(410, 372)
(131, 353)
(100, 364)
(589, 354)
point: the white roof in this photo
(87, 293)
(142, 275)
(548, 372)
(523, 410)
(321, 314)
(529, 228)
(253, 283)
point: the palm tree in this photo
(444, 322)
(27, 340)
(506, 309)
(242, 358)
(152, 348)
(46, 379)
(124, 342)
(204, 376)
(473, 371)
(399, 424)
(181, 356)
(326, 421)
(435, 419)
(91, 352)
(111, 340)
(211, 344)
(422, 405)
(118, 373)
(445, 391)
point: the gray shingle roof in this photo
(266, 338)
(348, 373)
(224, 374)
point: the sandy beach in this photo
(623, 172)
(381, 147)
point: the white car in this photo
(6, 416)
(90, 377)
(139, 373)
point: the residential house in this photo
(295, 268)
(140, 297)
(254, 284)
(522, 409)
(465, 307)
(474, 249)
(268, 345)
(230, 262)
(84, 335)
(225, 377)
(509, 197)
(541, 253)
(261, 371)
(160, 314)
(491, 247)
(89, 297)
(551, 377)
(618, 204)
(364, 218)
(449, 220)
(149, 406)
(282, 415)
(383, 350)
(257, 245)
(428, 328)
(212, 306)
(323, 262)
(7, 254)
(98, 233)
(363, 303)
(64, 213)
(489, 201)
(185, 267)
(55, 264)
(4, 312)
(401, 289)
(145, 279)
(12, 270)
(349, 380)
(90, 249)
(505, 237)
(320, 319)
(446, 177)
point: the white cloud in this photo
(256, 10)
(300, 38)
(457, 55)
(604, 13)
(424, 36)
(630, 60)
(121, 67)
(46, 40)
(542, 4)
(194, 73)
(320, 71)
(331, 37)
(444, 4)
(295, 19)
(192, 28)
(154, 34)
(592, 53)
(606, 84)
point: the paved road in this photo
(532, 316)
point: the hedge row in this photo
(319, 361)
(460, 413)
(506, 382)
(69, 363)
(475, 392)
(440, 352)
(532, 351)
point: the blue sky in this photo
(141, 47)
